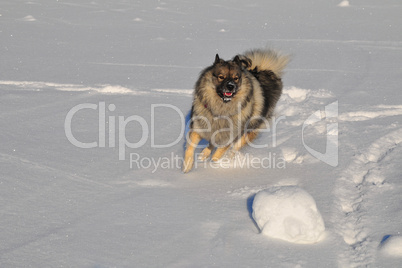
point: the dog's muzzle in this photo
(229, 90)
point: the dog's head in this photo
(227, 76)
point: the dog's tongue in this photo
(228, 94)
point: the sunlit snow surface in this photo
(131, 67)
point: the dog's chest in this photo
(221, 131)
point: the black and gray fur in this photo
(235, 97)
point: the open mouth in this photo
(227, 96)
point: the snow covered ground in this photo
(118, 74)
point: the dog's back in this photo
(267, 66)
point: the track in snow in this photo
(352, 191)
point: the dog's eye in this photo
(221, 77)
(236, 79)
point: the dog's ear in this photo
(243, 61)
(217, 59)
(237, 59)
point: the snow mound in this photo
(297, 94)
(28, 18)
(289, 154)
(344, 3)
(392, 246)
(288, 213)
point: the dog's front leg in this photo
(219, 153)
(206, 152)
(192, 143)
(247, 138)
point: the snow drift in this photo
(288, 213)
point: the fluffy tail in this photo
(266, 60)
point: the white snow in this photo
(288, 213)
(344, 3)
(28, 18)
(392, 245)
(289, 154)
(37, 86)
(133, 65)
(297, 94)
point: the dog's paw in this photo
(204, 154)
(215, 158)
(202, 157)
(231, 154)
(219, 153)
(187, 165)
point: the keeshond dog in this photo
(233, 100)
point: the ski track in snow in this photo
(291, 95)
(102, 89)
(352, 191)
(377, 111)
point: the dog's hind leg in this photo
(219, 153)
(206, 152)
(245, 139)
(192, 143)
